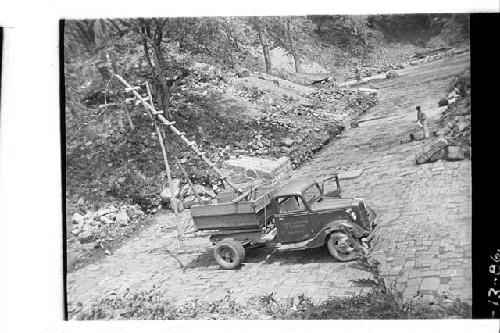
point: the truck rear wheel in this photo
(229, 253)
(342, 246)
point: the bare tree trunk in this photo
(161, 89)
(291, 46)
(131, 124)
(265, 48)
(296, 60)
(162, 84)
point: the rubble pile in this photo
(455, 124)
(372, 70)
(295, 124)
(89, 227)
(435, 54)
(419, 58)
(454, 133)
(185, 195)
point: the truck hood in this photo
(331, 203)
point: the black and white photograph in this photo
(248, 166)
(268, 167)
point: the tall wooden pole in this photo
(173, 199)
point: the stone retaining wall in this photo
(245, 170)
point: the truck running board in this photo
(294, 246)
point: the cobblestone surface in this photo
(423, 240)
(422, 243)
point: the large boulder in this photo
(433, 152)
(443, 101)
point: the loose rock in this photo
(122, 217)
(166, 196)
(75, 231)
(455, 153)
(443, 101)
(85, 237)
(77, 218)
(391, 74)
(106, 220)
(287, 142)
(433, 152)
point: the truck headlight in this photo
(351, 213)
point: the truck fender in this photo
(337, 225)
(344, 226)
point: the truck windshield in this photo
(312, 193)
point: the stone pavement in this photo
(424, 237)
(422, 243)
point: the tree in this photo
(151, 31)
(291, 45)
(258, 24)
(292, 34)
(320, 21)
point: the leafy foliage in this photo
(419, 28)
(152, 305)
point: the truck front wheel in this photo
(343, 247)
(229, 253)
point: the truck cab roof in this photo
(294, 187)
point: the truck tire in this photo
(342, 246)
(229, 253)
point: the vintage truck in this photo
(298, 215)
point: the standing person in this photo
(422, 122)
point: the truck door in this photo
(294, 221)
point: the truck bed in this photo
(225, 214)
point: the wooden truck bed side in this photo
(232, 215)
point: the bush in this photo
(152, 305)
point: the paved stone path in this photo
(424, 240)
(422, 243)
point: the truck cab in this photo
(305, 211)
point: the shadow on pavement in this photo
(267, 256)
